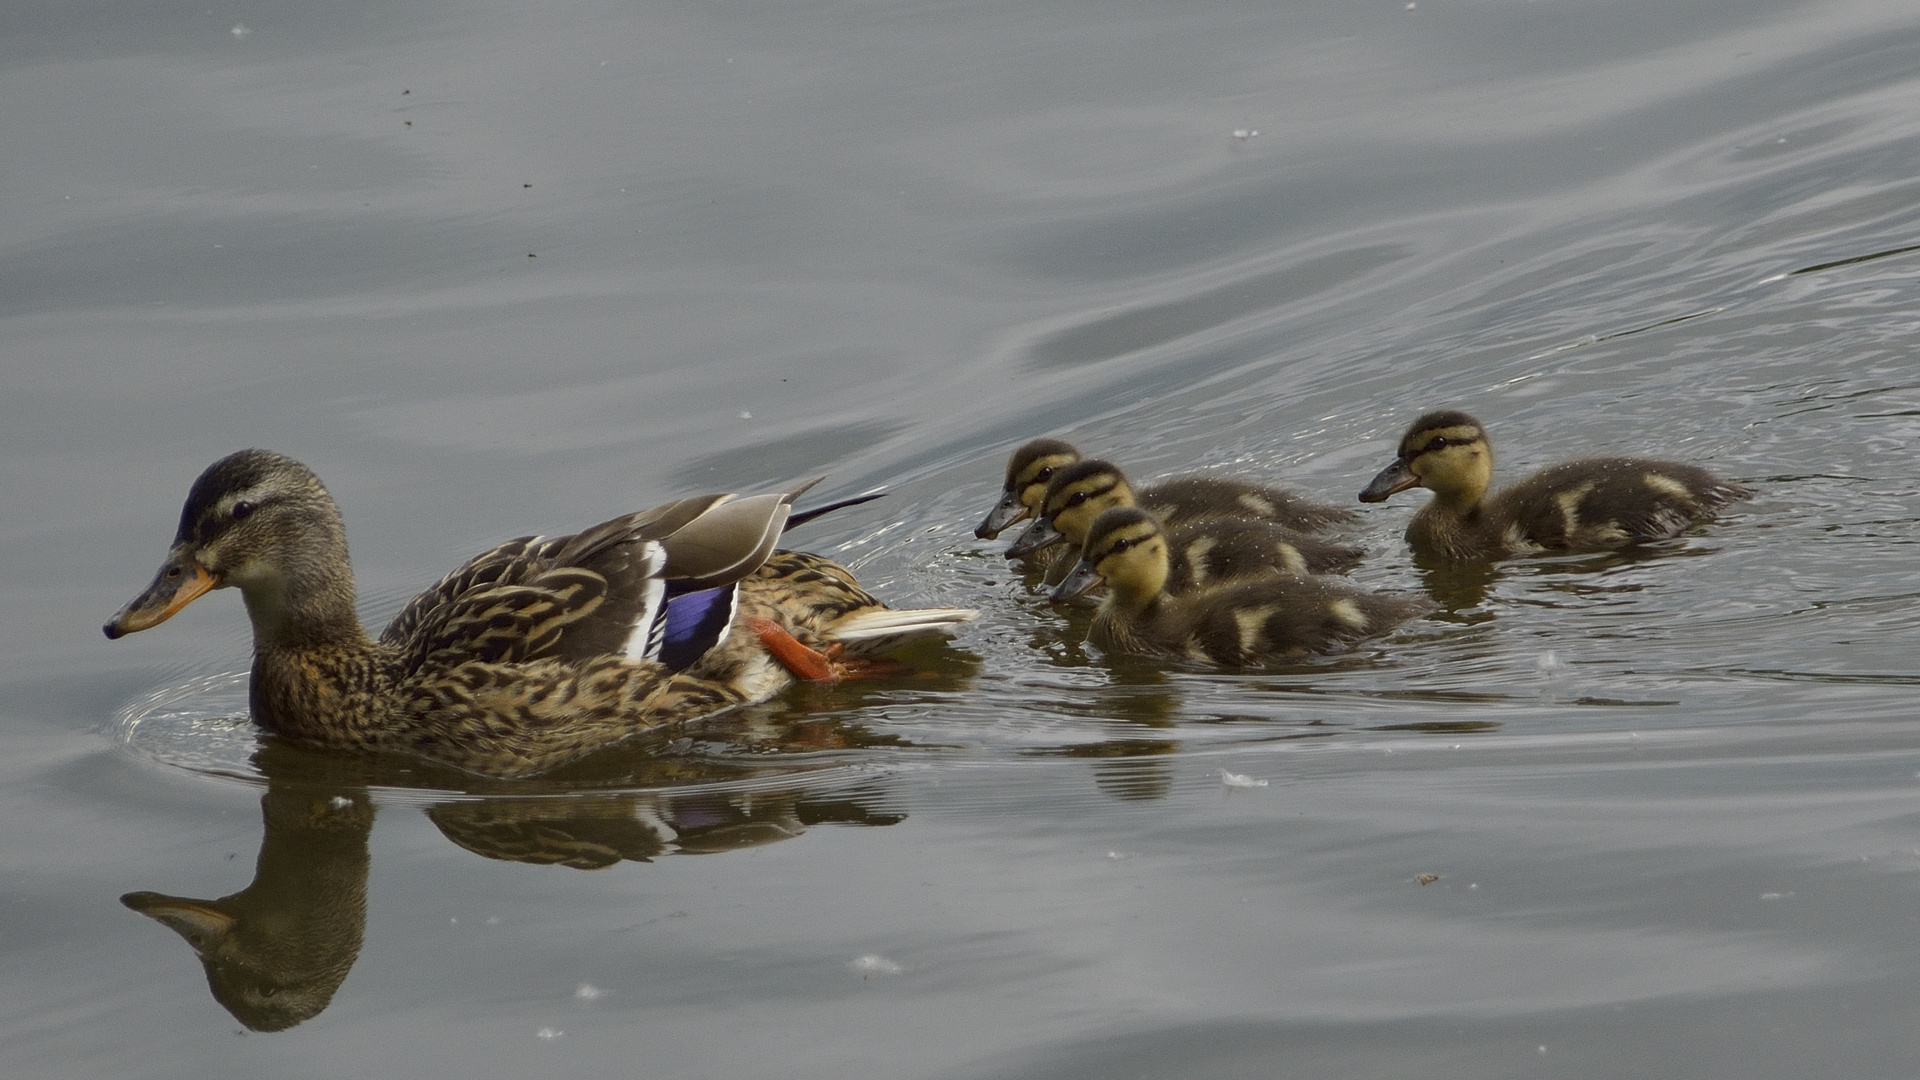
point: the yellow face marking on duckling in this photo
(1667, 485)
(1459, 466)
(1074, 507)
(1348, 612)
(1262, 507)
(1456, 434)
(1251, 622)
(1132, 559)
(1032, 481)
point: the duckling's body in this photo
(1242, 623)
(1204, 548)
(532, 654)
(1587, 505)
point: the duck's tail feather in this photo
(804, 516)
(878, 630)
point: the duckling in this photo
(1586, 505)
(1028, 470)
(532, 654)
(1205, 548)
(1236, 624)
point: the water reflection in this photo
(1460, 589)
(596, 831)
(276, 951)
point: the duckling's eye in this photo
(241, 510)
(1119, 546)
(1043, 475)
(1436, 443)
(1077, 498)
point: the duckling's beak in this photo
(1080, 579)
(180, 581)
(1040, 534)
(1004, 513)
(1395, 477)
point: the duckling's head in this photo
(1074, 497)
(1125, 548)
(264, 524)
(1028, 471)
(1447, 453)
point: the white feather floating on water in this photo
(1234, 779)
(874, 964)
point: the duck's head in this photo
(1446, 452)
(1074, 497)
(1028, 471)
(1126, 548)
(262, 523)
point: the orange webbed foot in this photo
(809, 665)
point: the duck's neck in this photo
(1454, 525)
(304, 598)
(295, 610)
(317, 677)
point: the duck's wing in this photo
(641, 585)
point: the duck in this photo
(1592, 504)
(1029, 469)
(1205, 548)
(531, 654)
(1235, 624)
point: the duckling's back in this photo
(1607, 502)
(1193, 498)
(1254, 622)
(1209, 552)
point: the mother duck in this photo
(532, 654)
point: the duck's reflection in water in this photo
(276, 951)
(594, 832)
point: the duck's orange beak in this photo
(181, 580)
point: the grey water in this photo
(502, 268)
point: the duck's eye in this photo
(1078, 498)
(1119, 546)
(241, 510)
(1043, 475)
(1436, 443)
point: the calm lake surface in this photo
(514, 267)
